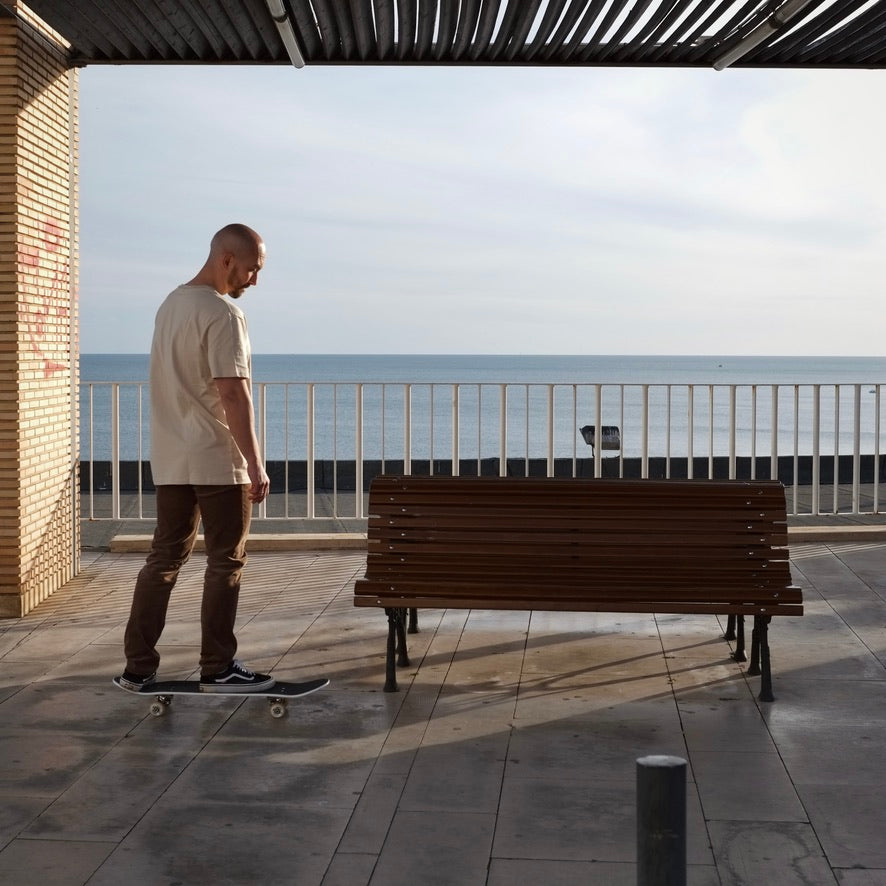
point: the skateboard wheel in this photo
(278, 709)
(160, 704)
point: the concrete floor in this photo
(508, 756)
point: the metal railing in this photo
(324, 441)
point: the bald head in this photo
(235, 238)
(236, 255)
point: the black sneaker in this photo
(135, 683)
(236, 678)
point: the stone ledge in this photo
(349, 541)
(859, 532)
(323, 541)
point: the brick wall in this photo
(39, 507)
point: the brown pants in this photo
(226, 513)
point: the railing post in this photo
(796, 449)
(668, 436)
(503, 432)
(358, 453)
(598, 432)
(732, 410)
(876, 503)
(644, 458)
(856, 450)
(138, 464)
(836, 487)
(550, 430)
(407, 429)
(309, 466)
(816, 449)
(431, 432)
(661, 821)
(710, 432)
(753, 432)
(773, 431)
(263, 439)
(115, 451)
(456, 455)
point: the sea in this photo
(361, 403)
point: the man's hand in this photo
(236, 398)
(259, 484)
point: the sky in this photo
(448, 210)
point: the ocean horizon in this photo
(527, 368)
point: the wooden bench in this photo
(656, 546)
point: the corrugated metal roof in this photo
(823, 34)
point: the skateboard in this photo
(277, 695)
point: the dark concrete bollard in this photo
(661, 821)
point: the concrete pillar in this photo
(39, 496)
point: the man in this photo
(205, 462)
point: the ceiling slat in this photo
(254, 42)
(595, 49)
(197, 44)
(364, 29)
(584, 30)
(545, 28)
(427, 18)
(384, 27)
(485, 27)
(690, 31)
(647, 39)
(346, 33)
(863, 39)
(631, 20)
(555, 47)
(446, 29)
(521, 27)
(82, 27)
(328, 26)
(306, 28)
(735, 25)
(146, 38)
(467, 25)
(835, 19)
(406, 18)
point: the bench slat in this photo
(636, 583)
(661, 607)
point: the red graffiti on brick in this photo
(53, 290)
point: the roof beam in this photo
(287, 34)
(775, 22)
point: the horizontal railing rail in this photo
(324, 441)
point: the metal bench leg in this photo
(413, 621)
(754, 666)
(739, 654)
(730, 628)
(766, 674)
(396, 643)
(402, 652)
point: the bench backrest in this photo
(612, 545)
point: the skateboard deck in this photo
(277, 696)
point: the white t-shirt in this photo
(199, 335)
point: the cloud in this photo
(494, 210)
